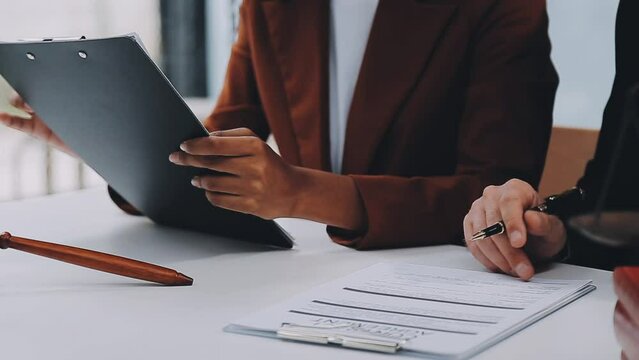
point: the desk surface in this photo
(54, 310)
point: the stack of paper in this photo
(445, 313)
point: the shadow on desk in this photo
(154, 243)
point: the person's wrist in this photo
(325, 197)
(299, 189)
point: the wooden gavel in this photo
(96, 260)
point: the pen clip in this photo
(325, 335)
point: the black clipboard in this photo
(109, 102)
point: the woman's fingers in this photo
(231, 202)
(17, 123)
(223, 145)
(18, 102)
(224, 164)
(234, 132)
(36, 128)
(227, 184)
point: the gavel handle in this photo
(97, 260)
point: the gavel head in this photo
(5, 238)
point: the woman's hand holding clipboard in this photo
(19, 115)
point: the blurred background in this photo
(191, 40)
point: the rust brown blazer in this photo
(452, 95)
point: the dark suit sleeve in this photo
(622, 193)
(612, 133)
(239, 102)
(502, 134)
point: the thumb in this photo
(550, 232)
(538, 223)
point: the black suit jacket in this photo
(624, 189)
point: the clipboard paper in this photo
(414, 309)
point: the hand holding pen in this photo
(510, 228)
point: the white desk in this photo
(54, 310)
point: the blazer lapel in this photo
(298, 31)
(402, 38)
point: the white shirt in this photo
(350, 26)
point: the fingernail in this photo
(196, 181)
(516, 237)
(173, 158)
(522, 270)
(183, 146)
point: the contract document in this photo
(415, 310)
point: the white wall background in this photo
(93, 18)
(582, 35)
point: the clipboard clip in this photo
(52, 39)
(325, 335)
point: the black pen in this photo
(560, 204)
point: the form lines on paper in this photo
(382, 323)
(403, 313)
(435, 300)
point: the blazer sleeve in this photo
(238, 104)
(613, 134)
(502, 134)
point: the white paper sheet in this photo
(447, 313)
